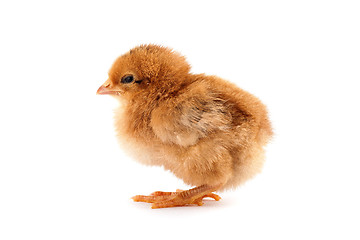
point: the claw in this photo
(179, 198)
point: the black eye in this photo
(127, 79)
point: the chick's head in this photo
(146, 69)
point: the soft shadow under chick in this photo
(205, 130)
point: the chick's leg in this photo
(179, 198)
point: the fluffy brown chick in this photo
(205, 130)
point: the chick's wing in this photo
(191, 116)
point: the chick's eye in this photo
(127, 79)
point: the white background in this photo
(63, 175)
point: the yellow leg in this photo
(179, 198)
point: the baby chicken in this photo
(205, 130)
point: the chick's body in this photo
(205, 130)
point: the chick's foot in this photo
(179, 198)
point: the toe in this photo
(159, 193)
(213, 195)
(142, 198)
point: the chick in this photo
(205, 130)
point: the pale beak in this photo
(105, 89)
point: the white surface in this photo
(63, 176)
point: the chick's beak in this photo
(105, 89)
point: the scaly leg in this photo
(179, 198)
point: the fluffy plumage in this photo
(205, 130)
